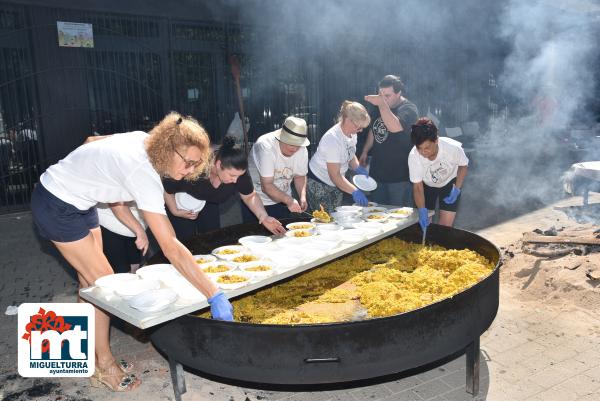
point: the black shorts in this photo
(432, 195)
(120, 251)
(60, 221)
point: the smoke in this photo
(523, 70)
(548, 76)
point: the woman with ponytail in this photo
(226, 176)
(117, 169)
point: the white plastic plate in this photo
(188, 202)
(364, 183)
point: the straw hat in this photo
(293, 132)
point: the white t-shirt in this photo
(266, 160)
(334, 147)
(109, 221)
(439, 172)
(110, 170)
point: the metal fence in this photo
(141, 67)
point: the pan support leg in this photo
(472, 352)
(177, 378)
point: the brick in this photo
(403, 384)
(431, 389)
(371, 392)
(407, 395)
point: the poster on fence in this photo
(75, 34)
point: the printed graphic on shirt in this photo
(282, 178)
(439, 172)
(380, 132)
(350, 152)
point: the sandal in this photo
(126, 367)
(126, 382)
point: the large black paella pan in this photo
(340, 352)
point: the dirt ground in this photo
(562, 282)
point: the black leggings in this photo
(208, 219)
(120, 251)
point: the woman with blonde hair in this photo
(336, 154)
(122, 168)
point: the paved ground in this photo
(533, 351)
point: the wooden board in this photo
(560, 239)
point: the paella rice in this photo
(387, 278)
(245, 258)
(216, 269)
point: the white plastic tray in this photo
(119, 307)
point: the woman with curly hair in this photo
(122, 168)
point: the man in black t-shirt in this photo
(389, 143)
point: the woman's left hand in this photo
(303, 204)
(273, 225)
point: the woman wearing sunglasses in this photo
(227, 176)
(122, 168)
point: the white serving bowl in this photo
(401, 212)
(370, 204)
(156, 271)
(295, 233)
(285, 260)
(236, 249)
(113, 281)
(300, 225)
(255, 241)
(247, 268)
(129, 289)
(351, 209)
(349, 222)
(333, 236)
(369, 225)
(245, 257)
(153, 300)
(327, 228)
(375, 217)
(204, 258)
(233, 286)
(344, 215)
(230, 268)
(374, 209)
(354, 235)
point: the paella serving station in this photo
(324, 353)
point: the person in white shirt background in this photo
(276, 160)
(123, 246)
(437, 168)
(336, 154)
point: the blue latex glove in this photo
(220, 307)
(361, 170)
(450, 199)
(360, 198)
(423, 218)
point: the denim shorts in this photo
(59, 221)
